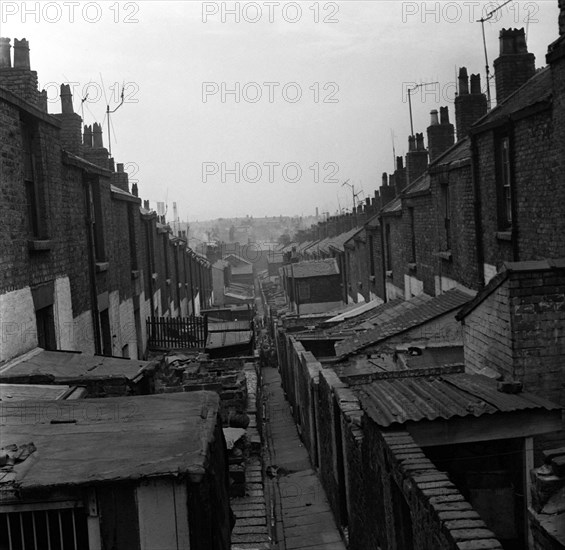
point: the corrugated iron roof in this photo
(402, 317)
(400, 400)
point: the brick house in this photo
(83, 264)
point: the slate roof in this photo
(537, 89)
(399, 400)
(312, 268)
(460, 151)
(9, 393)
(420, 185)
(338, 242)
(392, 207)
(405, 316)
(110, 439)
(69, 367)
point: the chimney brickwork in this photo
(515, 65)
(469, 106)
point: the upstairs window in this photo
(504, 187)
(412, 235)
(94, 205)
(446, 211)
(388, 248)
(31, 180)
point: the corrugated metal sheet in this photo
(400, 400)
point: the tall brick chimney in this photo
(416, 158)
(71, 123)
(17, 77)
(469, 107)
(515, 65)
(387, 192)
(441, 133)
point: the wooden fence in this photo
(177, 332)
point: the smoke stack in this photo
(66, 100)
(440, 135)
(87, 136)
(416, 161)
(97, 136)
(5, 59)
(515, 65)
(469, 107)
(21, 54)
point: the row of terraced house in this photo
(421, 338)
(84, 261)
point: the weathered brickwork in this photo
(519, 329)
(71, 241)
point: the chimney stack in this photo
(71, 123)
(515, 65)
(120, 178)
(134, 190)
(87, 136)
(66, 100)
(5, 59)
(97, 136)
(440, 133)
(416, 161)
(469, 107)
(21, 54)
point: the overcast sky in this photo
(318, 89)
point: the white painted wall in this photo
(412, 287)
(163, 515)
(17, 323)
(127, 335)
(393, 292)
(63, 314)
(489, 272)
(83, 333)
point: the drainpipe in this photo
(92, 264)
(477, 207)
(513, 196)
(150, 263)
(383, 258)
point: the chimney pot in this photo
(21, 54)
(385, 178)
(5, 60)
(433, 117)
(420, 142)
(399, 163)
(444, 115)
(120, 167)
(87, 136)
(475, 83)
(463, 81)
(411, 143)
(97, 135)
(134, 190)
(66, 99)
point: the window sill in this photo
(135, 274)
(101, 267)
(167, 282)
(504, 235)
(411, 267)
(39, 245)
(389, 274)
(154, 276)
(444, 255)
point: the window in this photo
(131, 235)
(30, 177)
(52, 527)
(96, 218)
(388, 248)
(371, 256)
(446, 209)
(412, 235)
(504, 177)
(303, 291)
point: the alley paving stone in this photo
(304, 520)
